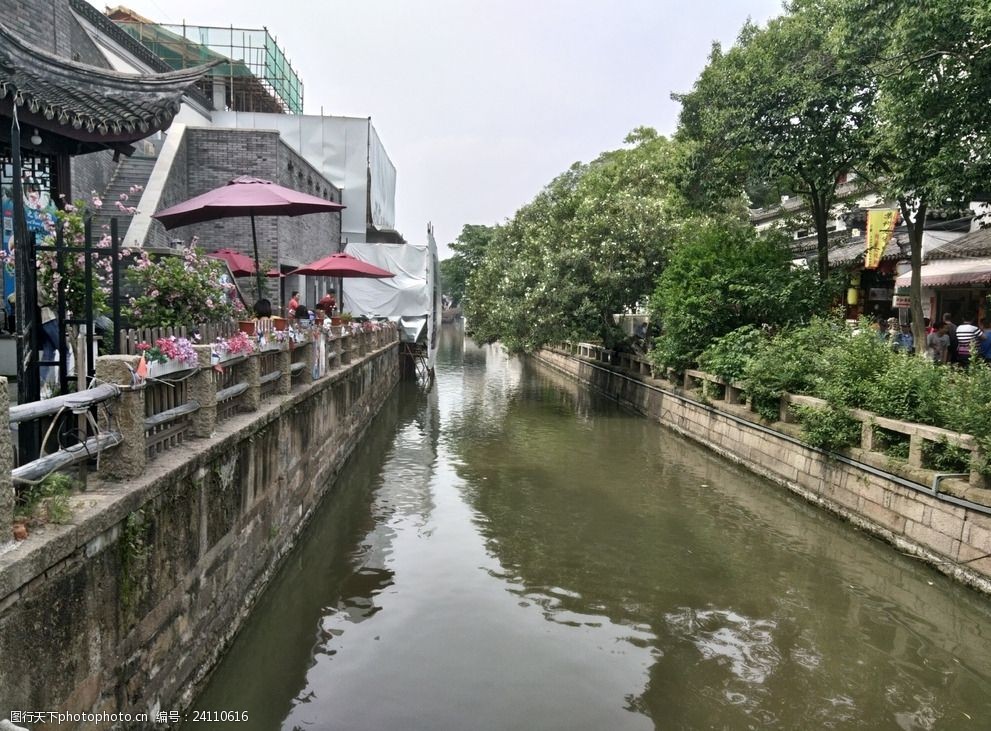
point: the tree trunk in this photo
(820, 217)
(915, 231)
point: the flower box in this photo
(157, 369)
(246, 326)
(280, 323)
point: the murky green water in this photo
(512, 552)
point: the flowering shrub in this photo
(237, 344)
(170, 348)
(70, 221)
(190, 289)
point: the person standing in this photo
(293, 304)
(984, 346)
(951, 333)
(937, 344)
(904, 341)
(967, 334)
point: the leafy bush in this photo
(190, 289)
(965, 400)
(945, 457)
(845, 371)
(722, 276)
(828, 427)
(909, 389)
(791, 362)
(727, 356)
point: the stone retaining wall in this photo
(128, 607)
(954, 539)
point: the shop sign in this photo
(902, 301)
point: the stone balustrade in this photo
(712, 388)
(181, 401)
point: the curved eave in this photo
(84, 103)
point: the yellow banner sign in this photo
(880, 226)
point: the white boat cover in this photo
(412, 294)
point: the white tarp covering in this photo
(347, 151)
(412, 294)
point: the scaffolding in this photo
(256, 74)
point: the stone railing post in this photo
(867, 435)
(915, 442)
(284, 386)
(6, 465)
(203, 390)
(976, 459)
(784, 410)
(251, 374)
(129, 458)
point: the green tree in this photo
(780, 111)
(722, 276)
(929, 65)
(586, 247)
(469, 251)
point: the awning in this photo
(951, 272)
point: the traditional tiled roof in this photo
(86, 102)
(976, 244)
(856, 247)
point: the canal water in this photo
(510, 551)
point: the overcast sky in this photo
(480, 103)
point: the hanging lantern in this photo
(852, 296)
(854, 279)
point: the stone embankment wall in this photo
(127, 608)
(871, 493)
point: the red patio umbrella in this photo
(241, 265)
(274, 273)
(245, 196)
(342, 265)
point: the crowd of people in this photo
(946, 342)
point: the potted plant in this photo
(345, 318)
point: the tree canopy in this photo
(782, 110)
(929, 71)
(722, 276)
(588, 246)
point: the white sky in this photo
(480, 103)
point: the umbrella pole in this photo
(258, 269)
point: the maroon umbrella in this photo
(245, 196)
(342, 265)
(241, 265)
(274, 273)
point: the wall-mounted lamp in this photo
(36, 138)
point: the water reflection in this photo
(759, 609)
(513, 551)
